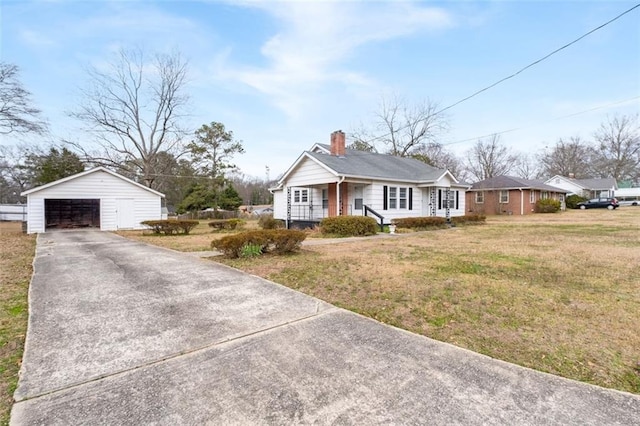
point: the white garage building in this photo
(97, 198)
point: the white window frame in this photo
(480, 197)
(393, 197)
(402, 198)
(504, 200)
(300, 196)
(532, 196)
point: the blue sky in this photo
(284, 75)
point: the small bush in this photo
(286, 240)
(267, 221)
(469, 219)
(171, 226)
(251, 250)
(573, 200)
(226, 224)
(547, 206)
(280, 241)
(349, 226)
(427, 222)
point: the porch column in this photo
(332, 192)
(344, 199)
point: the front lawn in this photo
(555, 292)
(16, 257)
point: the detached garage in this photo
(96, 198)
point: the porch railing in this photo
(368, 210)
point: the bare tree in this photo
(617, 150)
(17, 115)
(134, 110)
(489, 158)
(526, 167)
(570, 157)
(436, 155)
(403, 129)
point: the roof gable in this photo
(85, 173)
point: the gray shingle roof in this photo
(511, 182)
(602, 183)
(378, 166)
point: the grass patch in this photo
(16, 257)
(558, 295)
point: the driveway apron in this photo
(125, 333)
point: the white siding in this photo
(280, 204)
(309, 173)
(102, 186)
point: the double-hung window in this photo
(403, 198)
(393, 197)
(504, 197)
(480, 197)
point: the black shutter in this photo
(439, 199)
(457, 200)
(385, 192)
(410, 198)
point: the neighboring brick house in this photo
(509, 195)
(588, 188)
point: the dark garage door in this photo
(72, 213)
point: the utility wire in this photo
(521, 70)
(542, 122)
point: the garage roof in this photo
(85, 173)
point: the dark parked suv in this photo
(594, 203)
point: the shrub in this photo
(280, 241)
(472, 218)
(227, 224)
(547, 206)
(426, 222)
(267, 221)
(573, 200)
(171, 226)
(349, 226)
(251, 250)
(286, 240)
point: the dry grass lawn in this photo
(558, 293)
(199, 239)
(16, 256)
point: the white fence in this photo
(17, 212)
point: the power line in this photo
(541, 59)
(519, 71)
(542, 122)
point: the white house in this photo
(588, 188)
(97, 198)
(330, 180)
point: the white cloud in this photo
(315, 39)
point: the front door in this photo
(357, 200)
(124, 213)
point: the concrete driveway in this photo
(124, 333)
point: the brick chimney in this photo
(337, 143)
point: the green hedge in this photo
(279, 241)
(547, 206)
(171, 226)
(226, 224)
(349, 226)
